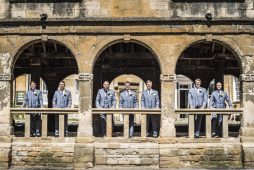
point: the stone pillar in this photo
(5, 120)
(168, 105)
(5, 104)
(247, 81)
(85, 128)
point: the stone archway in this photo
(125, 58)
(207, 61)
(50, 60)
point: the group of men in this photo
(33, 99)
(198, 99)
(128, 99)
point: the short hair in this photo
(106, 82)
(127, 82)
(62, 82)
(33, 82)
(149, 81)
(198, 79)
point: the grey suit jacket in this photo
(219, 99)
(128, 101)
(33, 99)
(105, 99)
(150, 101)
(197, 99)
(61, 99)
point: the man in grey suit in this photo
(197, 98)
(105, 99)
(218, 100)
(33, 99)
(62, 99)
(128, 99)
(150, 99)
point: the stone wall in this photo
(5, 152)
(126, 154)
(110, 9)
(151, 153)
(41, 153)
(206, 154)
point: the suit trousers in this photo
(154, 120)
(217, 125)
(198, 121)
(103, 124)
(65, 122)
(35, 122)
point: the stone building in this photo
(100, 40)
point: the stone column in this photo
(168, 105)
(85, 128)
(5, 104)
(247, 81)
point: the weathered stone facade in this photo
(166, 28)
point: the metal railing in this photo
(44, 112)
(125, 112)
(208, 112)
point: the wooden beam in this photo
(61, 125)
(143, 125)
(44, 110)
(125, 111)
(27, 125)
(208, 125)
(44, 125)
(191, 126)
(126, 125)
(55, 47)
(109, 127)
(225, 126)
(44, 48)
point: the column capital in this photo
(168, 78)
(247, 77)
(5, 77)
(85, 77)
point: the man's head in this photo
(127, 85)
(197, 83)
(149, 84)
(61, 85)
(218, 85)
(32, 85)
(106, 85)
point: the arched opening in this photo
(208, 61)
(20, 87)
(126, 59)
(50, 60)
(212, 62)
